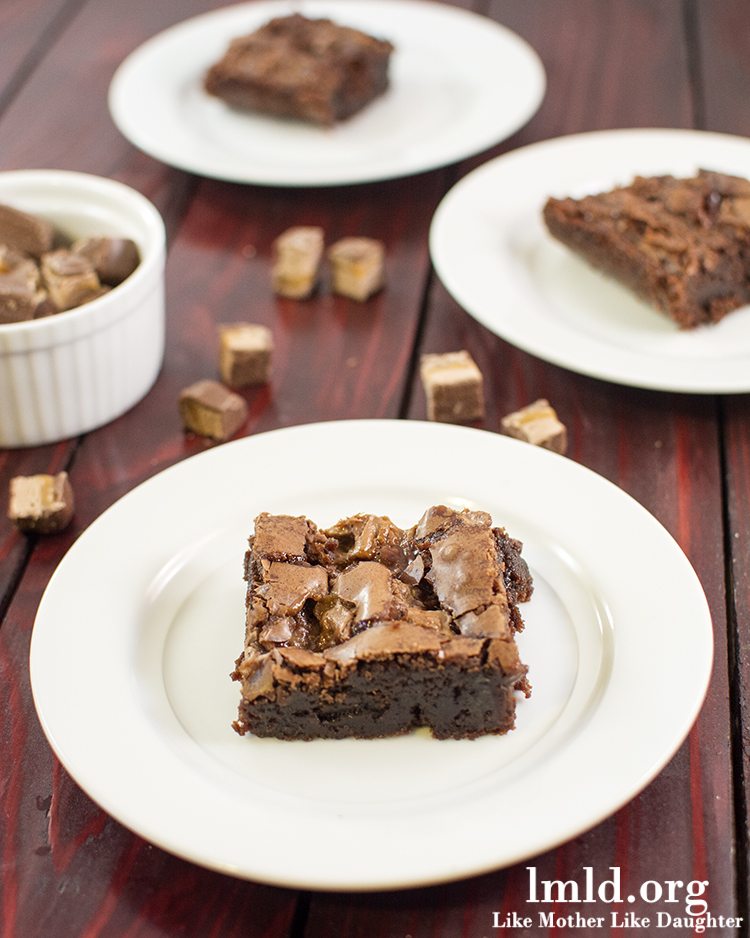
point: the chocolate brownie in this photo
(368, 630)
(314, 70)
(683, 245)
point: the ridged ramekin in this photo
(74, 371)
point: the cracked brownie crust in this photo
(314, 70)
(683, 245)
(368, 630)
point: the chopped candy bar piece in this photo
(209, 409)
(245, 354)
(113, 259)
(538, 424)
(41, 504)
(18, 300)
(297, 255)
(19, 267)
(453, 386)
(24, 232)
(357, 267)
(70, 279)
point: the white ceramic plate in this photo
(140, 625)
(492, 251)
(459, 84)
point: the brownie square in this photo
(313, 70)
(683, 245)
(368, 630)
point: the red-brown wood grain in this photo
(27, 28)
(725, 89)
(67, 868)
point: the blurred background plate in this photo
(459, 84)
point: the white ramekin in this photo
(72, 372)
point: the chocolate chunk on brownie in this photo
(683, 245)
(313, 70)
(367, 630)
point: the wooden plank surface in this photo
(27, 28)
(70, 869)
(722, 32)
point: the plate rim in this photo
(623, 377)
(195, 855)
(122, 117)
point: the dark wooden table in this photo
(66, 868)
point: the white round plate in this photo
(492, 251)
(459, 84)
(139, 627)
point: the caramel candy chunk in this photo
(24, 232)
(113, 259)
(209, 409)
(538, 424)
(18, 267)
(41, 504)
(45, 307)
(453, 386)
(70, 279)
(19, 302)
(357, 267)
(297, 255)
(245, 354)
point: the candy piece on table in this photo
(245, 351)
(209, 409)
(41, 504)
(357, 267)
(113, 259)
(537, 424)
(453, 386)
(70, 279)
(297, 254)
(24, 232)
